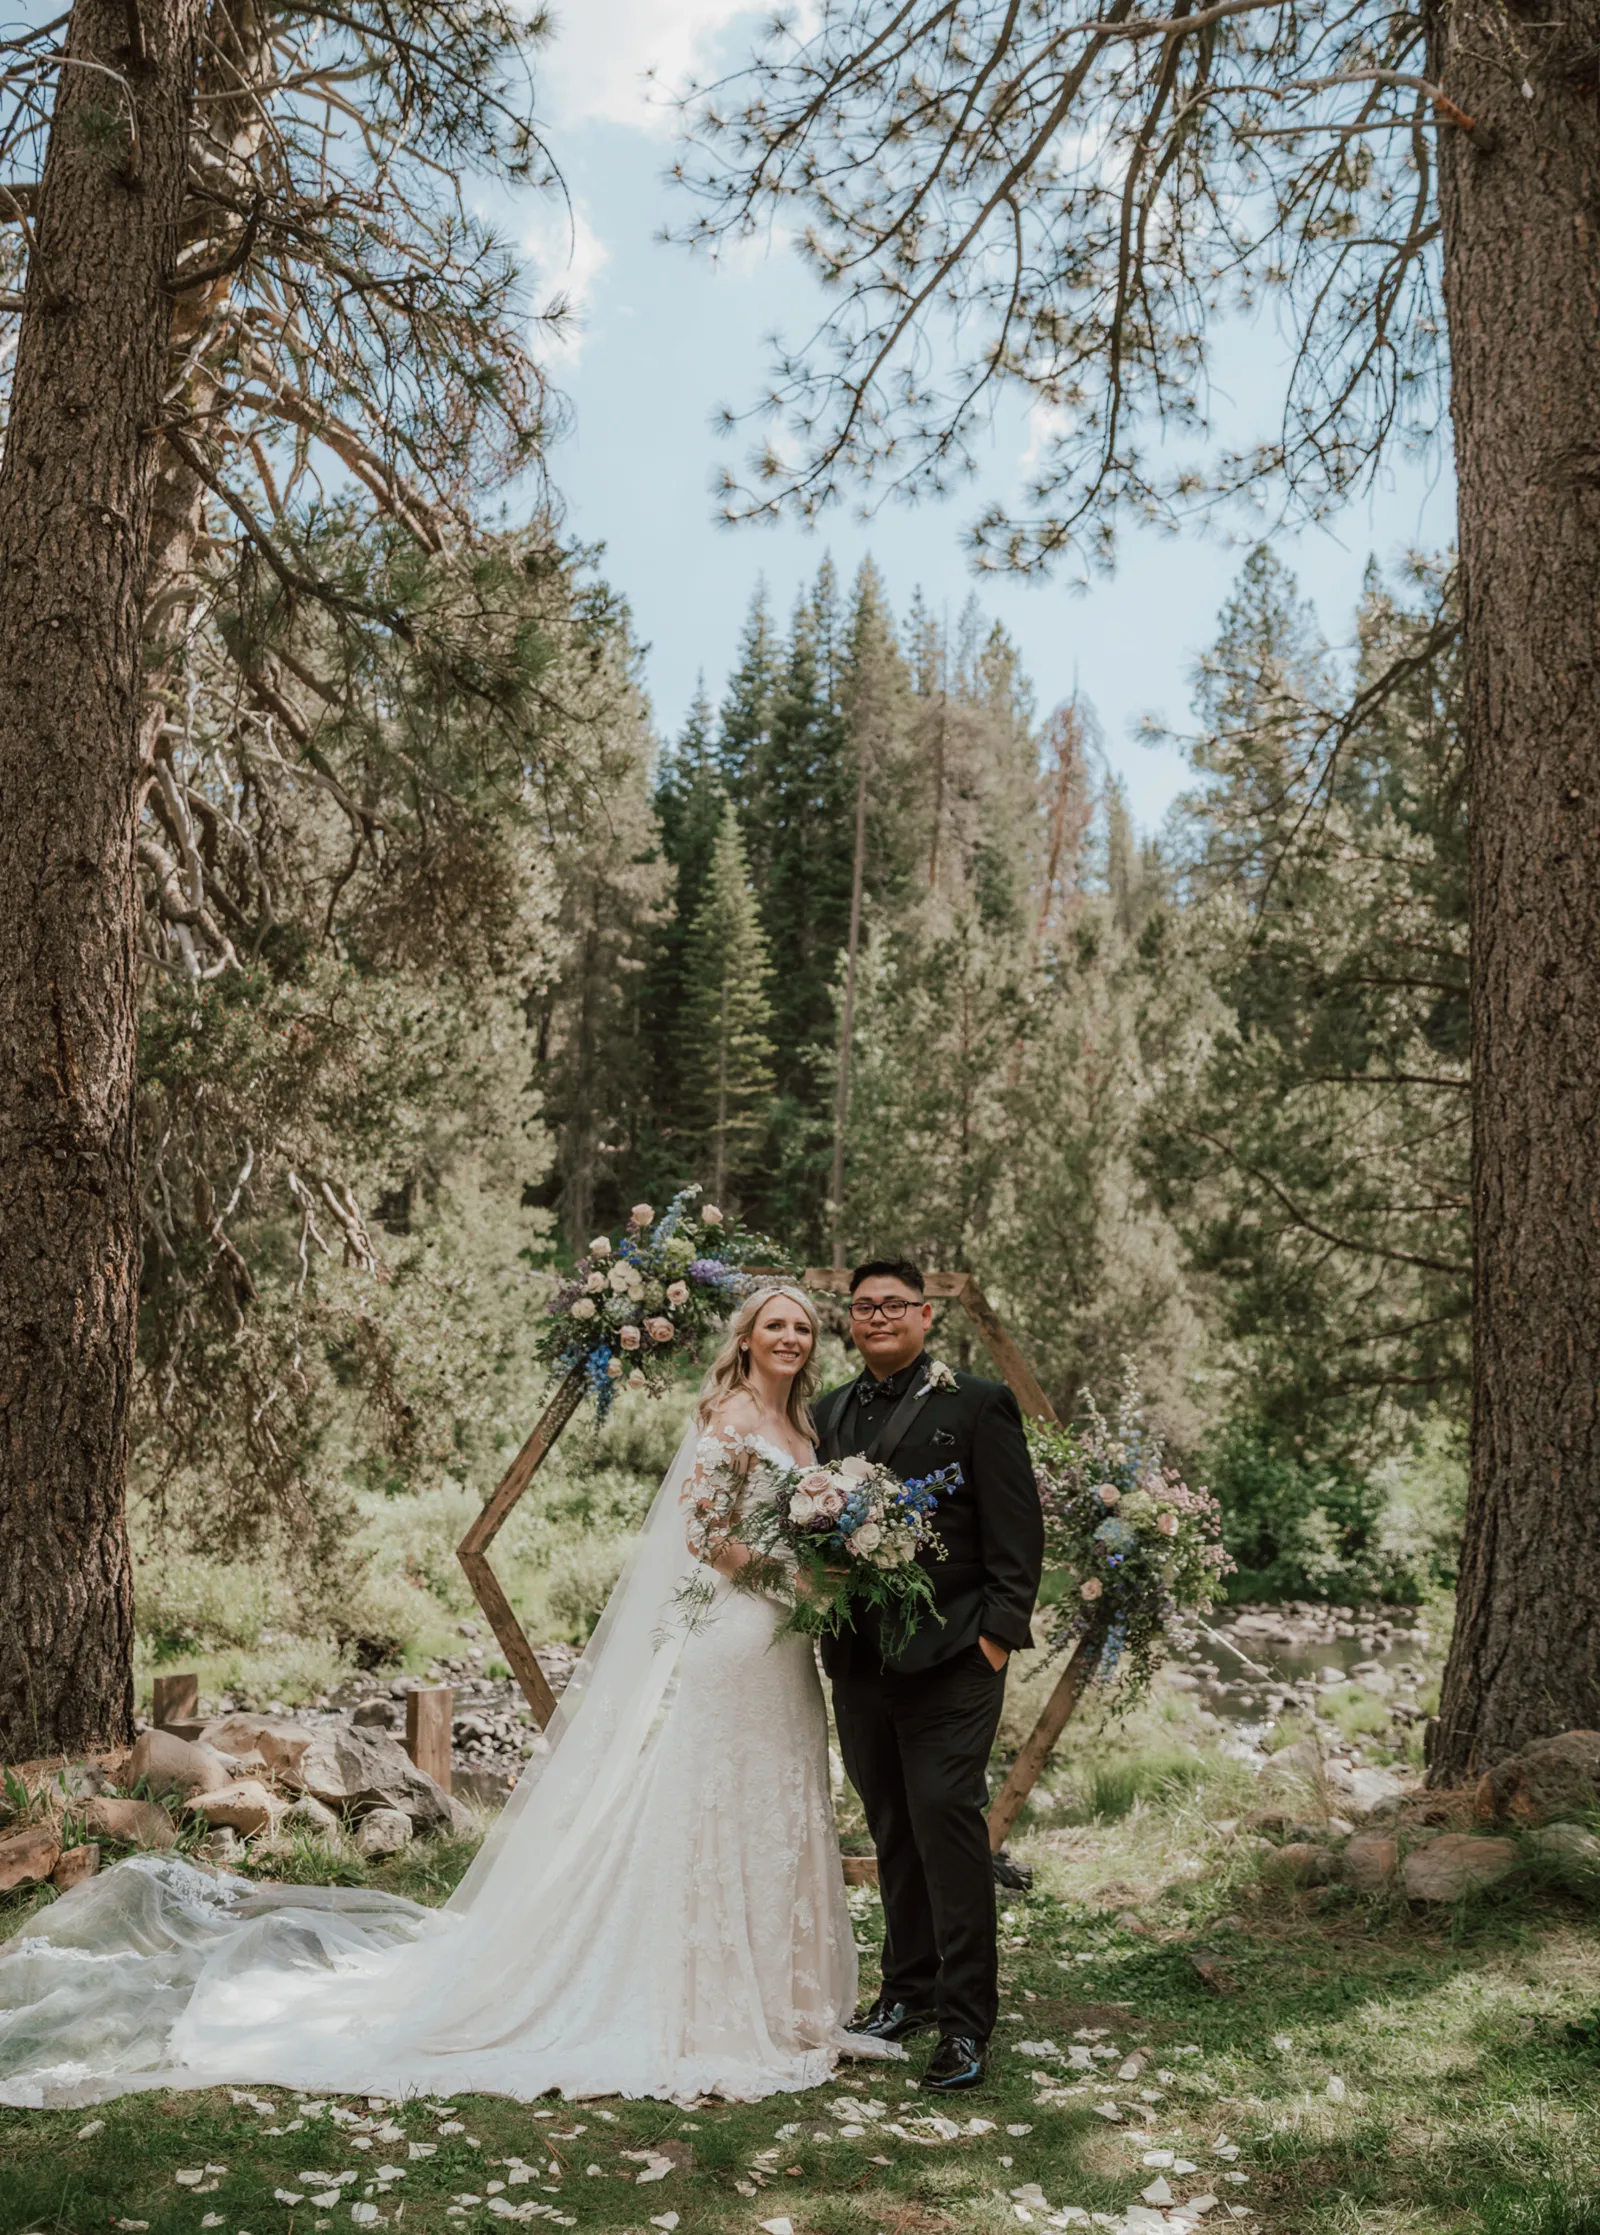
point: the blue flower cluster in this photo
(601, 1386)
(712, 1272)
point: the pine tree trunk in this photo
(1522, 287)
(76, 486)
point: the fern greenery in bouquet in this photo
(827, 1538)
(633, 1304)
(1130, 1549)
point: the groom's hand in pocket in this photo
(996, 1655)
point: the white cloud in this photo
(622, 61)
(566, 256)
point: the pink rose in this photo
(659, 1330)
(629, 1337)
(856, 1470)
(1092, 1589)
(815, 1484)
(1108, 1493)
(636, 1380)
(642, 1214)
(600, 1246)
(710, 1215)
(1167, 1523)
(677, 1292)
(614, 1368)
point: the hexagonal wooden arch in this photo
(473, 1550)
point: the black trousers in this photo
(916, 1748)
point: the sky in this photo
(660, 340)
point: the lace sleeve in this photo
(714, 1493)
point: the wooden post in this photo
(472, 1551)
(1035, 1749)
(428, 1731)
(174, 1699)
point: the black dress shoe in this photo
(958, 2062)
(892, 2021)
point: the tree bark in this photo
(1521, 222)
(76, 488)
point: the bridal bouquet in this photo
(1130, 1548)
(828, 1537)
(631, 1304)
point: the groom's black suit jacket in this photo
(989, 1522)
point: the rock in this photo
(375, 1714)
(135, 1823)
(280, 1744)
(1569, 1854)
(1300, 1834)
(384, 1831)
(308, 1814)
(245, 1806)
(76, 1864)
(1553, 1778)
(1369, 1790)
(484, 1788)
(1370, 1861)
(366, 1769)
(222, 1845)
(1299, 1863)
(27, 1858)
(174, 1765)
(80, 1780)
(1455, 1864)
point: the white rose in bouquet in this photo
(629, 1337)
(600, 1246)
(710, 1215)
(642, 1214)
(677, 1293)
(866, 1539)
(584, 1308)
(596, 1284)
(659, 1330)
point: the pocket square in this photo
(943, 1438)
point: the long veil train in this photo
(548, 1967)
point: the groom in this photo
(916, 1725)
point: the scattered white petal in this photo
(1337, 2090)
(1109, 2111)
(288, 2196)
(190, 2180)
(776, 2226)
(668, 2220)
(421, 2149)
(1019, 2130)
(1184, 2165)
(1158, 2192)
(1158, 2157)
(95, 2126)
(452, 2126)
(980, 2126)
(364, 2214)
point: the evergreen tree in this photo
(725, 1057)
(745, 727)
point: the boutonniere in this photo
(939, 1377)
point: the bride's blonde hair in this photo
(729, 1371)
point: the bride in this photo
(659, 1910)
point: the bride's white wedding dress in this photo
(659, 1911)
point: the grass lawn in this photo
(1373, 2067)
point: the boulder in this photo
(377, 1714)
(1299, 1863)
(1454, 1864)
(135, 1823)
(1553, 1778)
(174, 1765)
(28, 1857)
(364, 1769)
(384, 1831)
(1569, 1854)
(308, 1814)
(1370, 1862)
(279, 1744)
(76, 1864)
(1368, 1792)
(243, 1804)
(484, 1788)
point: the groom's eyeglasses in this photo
(892, 1307)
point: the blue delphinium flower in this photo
(600, 1381)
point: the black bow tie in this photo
(893, 1387)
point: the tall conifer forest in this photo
(1188, 1102)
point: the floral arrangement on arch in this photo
(632, 1304)
(1130, 1549)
